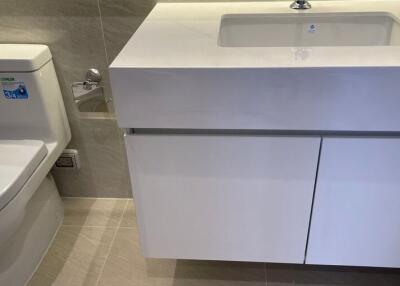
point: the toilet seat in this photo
(18, 160)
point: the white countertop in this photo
(185, 35)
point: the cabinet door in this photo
(245, 198)
(356, 215)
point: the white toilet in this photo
(34, 131)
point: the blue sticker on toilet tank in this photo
(14, 90)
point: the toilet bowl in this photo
(34, 131)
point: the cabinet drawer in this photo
(340, 99)
(356, 216)
(218, 197)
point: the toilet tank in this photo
(31, 104)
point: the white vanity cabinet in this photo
(223, 197)
(356, 214)
(195, 91)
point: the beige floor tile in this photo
(126, 266)
(305, 275)
(129, 217)
(75, 258)
(93, 212)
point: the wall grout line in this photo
(111, 244)
(102, 31)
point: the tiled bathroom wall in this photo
(81, 34)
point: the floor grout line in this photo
(128, 227)
(89, 226)
(94, 198)
(111, 244)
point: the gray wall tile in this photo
(121, 18)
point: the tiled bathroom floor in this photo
(98, 245)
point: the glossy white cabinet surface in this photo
(335, 99)
(356, 219)
(221, 197)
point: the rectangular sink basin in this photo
(311, 29)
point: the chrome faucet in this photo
(300, 5)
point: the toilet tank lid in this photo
(23, 57)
